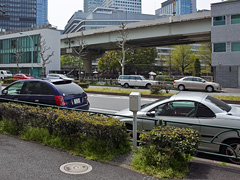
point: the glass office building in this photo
(133, 6)
(178, 7)
(90, 5)
(20, 14)
(42, 12)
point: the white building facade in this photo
(25, 44)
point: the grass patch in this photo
(124, 91)
(8, 127)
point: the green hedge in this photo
(83, 85)
(92, 136)
(166, 152)
(9, 80)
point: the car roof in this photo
(191, 96)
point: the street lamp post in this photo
(31, 72)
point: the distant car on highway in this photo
(57, 92)
(58, 76)
(196, 83)
(22, 76)
(196, 109)
(135, 81)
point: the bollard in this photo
(134, 106)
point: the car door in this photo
(176, 113)
(188, 83)
(38, 92)
(207, 117)
(13, 92)
(198, 84)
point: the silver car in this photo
(196, 109)
(196, 83)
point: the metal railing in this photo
(226, 129)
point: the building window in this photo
(219, 20)
(235, 46)
(219, 47)
(235, 19)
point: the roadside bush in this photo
(83, 85)
(92, 136)
(166, 152)
(9, 80)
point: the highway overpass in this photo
(174, 30)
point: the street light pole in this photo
(31, 72)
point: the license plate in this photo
(77, 101)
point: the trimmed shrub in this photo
(83, 85)
(166, 152)
(92, 136)
(9, 80)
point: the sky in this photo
(60, 11)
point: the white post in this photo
(134, 106)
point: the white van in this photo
(135, 81)
(5, 74)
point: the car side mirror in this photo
(5, 92)
(151, 113)
(204, 81)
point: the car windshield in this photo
(149, 104)
(143, 78)
(222, 105)
(69, 88)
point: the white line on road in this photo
(105, 110)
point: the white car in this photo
(135, 81)
(196, 109)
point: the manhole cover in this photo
(75, 168)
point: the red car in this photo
(22, 76)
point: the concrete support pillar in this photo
(87, 66)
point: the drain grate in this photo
(75, 168)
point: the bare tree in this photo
(18, 52)
(80, 51)
(45, 58)
(121, 43)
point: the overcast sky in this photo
(60, 11)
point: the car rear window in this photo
(69, 88)
(224, 106)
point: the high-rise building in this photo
(133, 6)
(42, 12)
(90, 5)
(20, 14)
(177, 7)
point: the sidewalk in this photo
(199, 168)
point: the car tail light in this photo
(173, 82)
(59, 101)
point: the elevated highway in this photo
(174, 30)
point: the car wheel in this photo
(181, 87)
(126, 85)
(235, 144)
(209, 89)
(148, 86)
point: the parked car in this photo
(5, 74)
(196, 83)
(58, 76)
(22, 76)
(58, 92)
(135, 81)
(198, 109)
